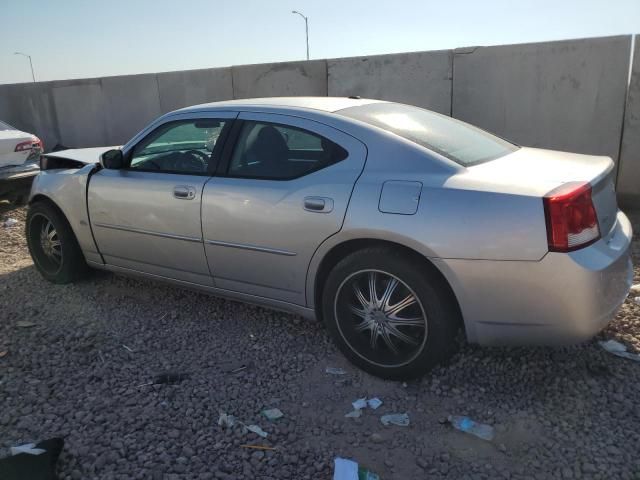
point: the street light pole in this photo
(306, 27)
(33, 75)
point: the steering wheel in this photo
(193, 160)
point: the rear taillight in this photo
(34, 144)
(24, 146)
(572, 222)
(37, 143)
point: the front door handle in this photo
(184, 192)
(318, 204)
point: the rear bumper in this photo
(17, 178)
(562, 299)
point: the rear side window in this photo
(451, 138)
(281, 152)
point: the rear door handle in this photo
(184, 192)
(318, 204)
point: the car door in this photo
(146, 216)
(285, 188)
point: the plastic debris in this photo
(10, 222)
(257, 430)
(335, 371)
(25, 324)
(349, 470)
(29, 448)
(227, 421)
(399, 419)
(635, 288)
(465, 424)
(618, 349)
(37, 462)
(359, 404)
(272, 414)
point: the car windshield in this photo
(455, 140)
(5, 126)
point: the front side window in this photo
(279, 152)
(184, 146)
(451, 138)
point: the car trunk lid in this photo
(536, 172)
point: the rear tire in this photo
(53, 245)
(410, 325)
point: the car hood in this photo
(83, 155)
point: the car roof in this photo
(326, 104)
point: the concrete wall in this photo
(281, 79)
(567, 95)
(629, 172)
(192, 87)
(422, 78)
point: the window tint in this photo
(279, 152)
(178, 147)
(456, 140)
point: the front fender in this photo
(67, 189)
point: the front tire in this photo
(390, 315)
(52, 244)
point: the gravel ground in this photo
(558, 412)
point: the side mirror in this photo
(112, 159)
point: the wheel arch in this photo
(342, 249)
(42, 198)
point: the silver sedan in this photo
(396, 226)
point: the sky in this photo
(93, 38)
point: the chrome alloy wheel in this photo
(48, 247)
(381, 318)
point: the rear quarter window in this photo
(458, 141)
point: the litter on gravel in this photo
(10, 222)
(359, 404)
(636, 300)
(32, 461)
(354, 414)
(29, 448)
(335, 371)
(635, 288)
(364, 402)
(618, 349)
(25, 324)
(398, 419)
(465, 424)
(272, 414)
(257, 430)
(344, 469)
(226, 421)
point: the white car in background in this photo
(17, 147)
(19, 161)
